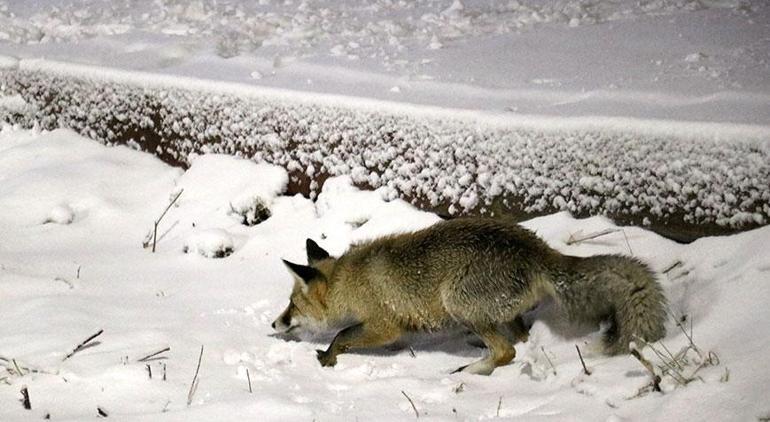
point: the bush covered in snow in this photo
(457, 165)
(211, 243)
(252, 212)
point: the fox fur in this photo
(478, 273)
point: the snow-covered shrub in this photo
(440, 162)
(251, 212)
(211, 243)
(228, 45)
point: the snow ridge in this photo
(434, 161)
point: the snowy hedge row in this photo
(677, 186)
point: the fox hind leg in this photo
(501, 352)
(518, 329)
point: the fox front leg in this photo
(357, 336)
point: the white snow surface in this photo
(61, 283)
(664, 59)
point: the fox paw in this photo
(479, 368)
(326, 358)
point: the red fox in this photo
(477, 273)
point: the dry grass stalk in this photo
(647, 365)
(157, 222)
(548, 359)
(416, 413)
(628, 244)
(25, 398)
(152, 355)
(672, 267)
(580, 355)
(575, 238)
(194, 384)
(83, 345)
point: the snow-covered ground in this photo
(705, 60)
(668, 101)
(73, 218)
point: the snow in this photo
(62, 283)
(61, 214)
(622, 58)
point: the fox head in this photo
(307, 310)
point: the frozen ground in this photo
(705, 60)
(72, 263)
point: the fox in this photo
(480, 274)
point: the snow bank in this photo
(60, 284)
(465, 164)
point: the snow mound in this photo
(350, 215)
(211, 243)
(61, 214)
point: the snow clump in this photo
(60, 214)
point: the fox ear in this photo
(303, 272)
(314, 252)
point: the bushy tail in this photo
(620, 290)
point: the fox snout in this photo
(282, 324)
